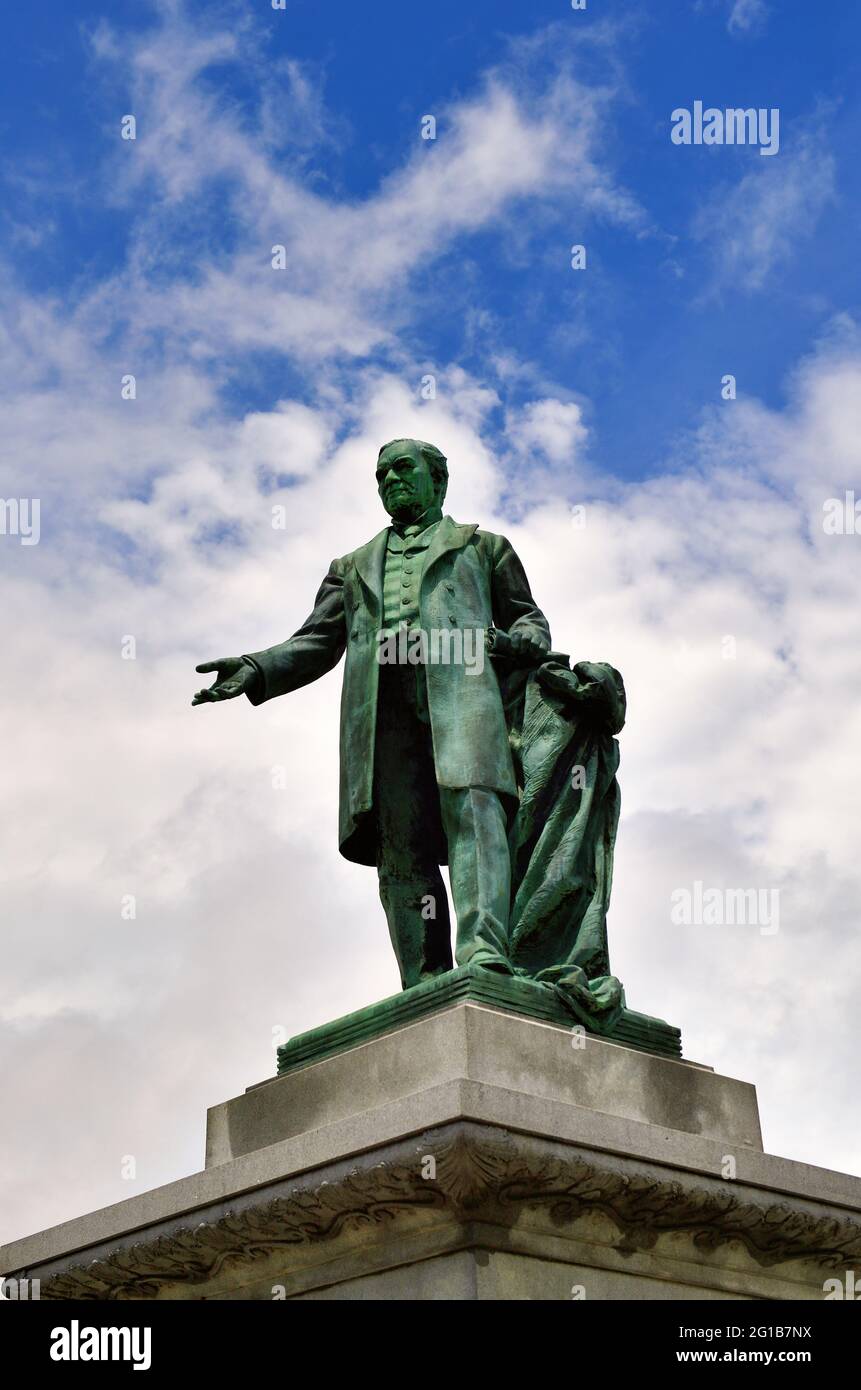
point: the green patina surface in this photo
(514, 995)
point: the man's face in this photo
(405, 482)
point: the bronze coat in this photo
(471, 579)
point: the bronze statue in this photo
(502, 768)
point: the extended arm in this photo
(311, 652)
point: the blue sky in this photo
(703, 571)
(647, 333)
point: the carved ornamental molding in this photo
(481, 1175)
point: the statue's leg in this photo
(474, 821)
(410, 840)
(422, 942)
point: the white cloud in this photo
(555, 428)
(349, 262)
(756, 226)
(292, 438)
(747, 16)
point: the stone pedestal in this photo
(472, 1154)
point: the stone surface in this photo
(473, 1043)
(494, 1178)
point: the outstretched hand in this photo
(233, 678)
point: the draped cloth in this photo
(561, 723)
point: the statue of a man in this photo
(426, 769)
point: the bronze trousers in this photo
(419, 826)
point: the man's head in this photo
(411, 476)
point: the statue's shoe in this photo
(488, 960)
(435, 974)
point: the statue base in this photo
(472, 1153)
(506, 992)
